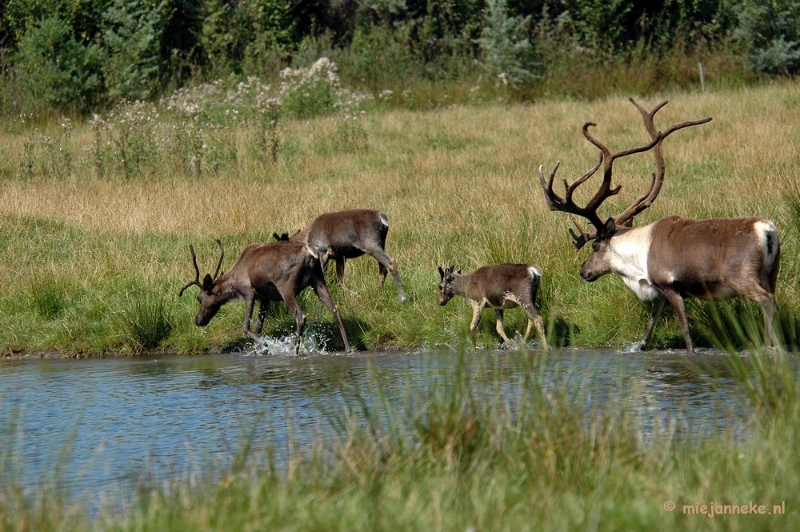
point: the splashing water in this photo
(314, 342)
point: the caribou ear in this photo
(208, 283)
(441, 272)
(609, 228)
(276, 236)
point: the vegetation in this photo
(96, 218)
(80, 57)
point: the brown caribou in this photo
(673, 258)
(264, 272)
(347, 235)
(500, 287)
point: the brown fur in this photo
(706, 259)
(347, 235)
(267, 272)
(500, 287)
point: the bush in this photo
(56, 70)
(770, 31)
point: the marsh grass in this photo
(50, 296)
(460, 186)
(148, 321)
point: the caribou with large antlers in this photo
(675, 257)
(264, 272)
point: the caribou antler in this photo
(221, 256)
(566, 204)
(607, 158)
(196, 281)
(657, 179)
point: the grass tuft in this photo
(49, 296)
(147, 321)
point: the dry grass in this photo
(460, 186)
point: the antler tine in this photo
(196, 275)
(605, 190)
(221, 256)
(657, 180)
(569, 189)
(550, 197)
(580, 240)
(567, 204)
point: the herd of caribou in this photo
(669, 260)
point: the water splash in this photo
(314, 342)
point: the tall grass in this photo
(148, 321)
(459, 184)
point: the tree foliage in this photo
(97, 52)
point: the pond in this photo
(96, 425)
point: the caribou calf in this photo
(265, 272)
(500, 287)
(347, 235)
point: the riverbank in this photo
(94, 251)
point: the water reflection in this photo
(178, 415)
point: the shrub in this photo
(770, 31)
(56, 70)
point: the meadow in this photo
(97, 216)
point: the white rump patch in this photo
(768, 238)
(535, 270)
(312, 251)
(384, 218)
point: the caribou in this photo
(264, 272)
(675, 257)
(347, 235)
(500, 287)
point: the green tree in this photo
(132, 34)
(54, 67)
(507, 49)
(770, 31)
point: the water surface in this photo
(96, 425)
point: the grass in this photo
(459, 184)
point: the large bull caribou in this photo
(673, 258)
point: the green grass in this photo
(460, 185)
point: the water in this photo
(97, 425)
